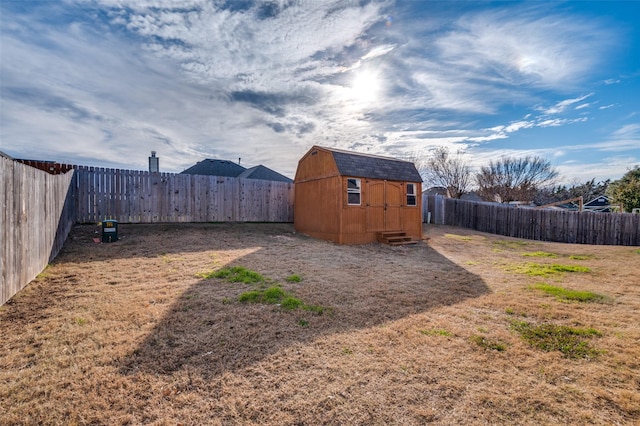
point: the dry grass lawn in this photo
(130, 333)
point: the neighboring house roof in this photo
(599, 204)
(374, 167)
(263, 173)
(600, 201)
(215, 168)
(227, 168)
(435, 190)
(471, 196)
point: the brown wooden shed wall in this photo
(317, 208)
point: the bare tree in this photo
(449, 171)
(514, 179)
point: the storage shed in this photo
(353, 198)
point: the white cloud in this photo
(378, 51)
(531, 46)
(518, 125)
(583, 106)
(557, 122)
(265, 81)
(563, 105)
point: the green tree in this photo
(626, 191)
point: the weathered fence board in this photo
(535, 224)
(143, 197)
(38, 211)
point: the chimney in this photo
(154, 163)
(239, 158)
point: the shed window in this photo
(411, 194)
(353, 192)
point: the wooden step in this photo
(395, 238)
(402, 243)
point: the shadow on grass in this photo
(208, 331)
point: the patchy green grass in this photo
(539, 254)
(459, 237)
(508, 244)
(271, 295)
(568, 294)
(276, 295)
(436, 332)
(295, 278)
(316, 309)
(513, 312)
(550, 337)
(543, 270)
(487, 343)
(290, 303)
(234, 274)
(45, 273)
(581, 256)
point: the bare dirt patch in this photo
(128, 332)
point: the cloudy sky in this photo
(105, 82)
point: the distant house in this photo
(227, 168)
(442, 191)
(353, 198)
(599, 204)
(436, 190)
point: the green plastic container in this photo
(109, 231)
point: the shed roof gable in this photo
(374, 167)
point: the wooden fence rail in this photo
(536, 224)
(142, 197)
(37, 211)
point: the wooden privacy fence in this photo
(39, 207)
(142, 197)
(537, 224)
(37, 211)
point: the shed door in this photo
(384, 206)
(394, 198)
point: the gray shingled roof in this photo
(215, 168)
(227, 168)
(374, 167)
(263, 173)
